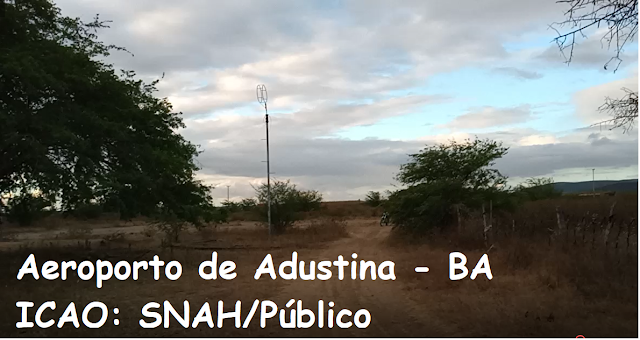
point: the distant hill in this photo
(629, 185)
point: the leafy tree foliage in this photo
(373, 198)
(308, 200)
(424, 206)
(231, 206)
(248, 204)
(467, 163)
(287, 203)
(534, 189)
(443, 175)
(26, 208)
(74, 129)
(88, 211)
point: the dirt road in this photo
(392, 312)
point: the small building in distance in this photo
(599, 193)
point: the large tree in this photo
(73, 128)
(619, 18)
(442, 176)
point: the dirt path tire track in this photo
(393, 313)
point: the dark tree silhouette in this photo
(623, 111)
(620, 17)
(76, 131)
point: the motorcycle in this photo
(384, 220)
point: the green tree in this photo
(231, 206)
(373, 198)
(88, 210)
(287, 203)
(26, 208)
(443, 175)
(538, 188)
(73, 128)
(248, 204)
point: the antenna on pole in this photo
(261, 94)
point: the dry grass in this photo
(131, 295)
(346, 209)
(541, 289)
(76, 233)
(535, 292)
(304, 234)
(337, 209)
(56, 221)
(538, 290)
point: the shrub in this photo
(87, 211)
(422, 207)
(172, 225)
(287, 203)
(248, 204)
(308, 200)
(26, 209)
(231, 206)
(534, 189)
(373, 198)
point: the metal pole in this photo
(266, 118)
(593, 182)
(261, 93)
(227, 193)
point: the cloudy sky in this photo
(356, 86)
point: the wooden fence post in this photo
(484, 224)
(560, 220)
(607, 229)
(593, 232)
(629, 231)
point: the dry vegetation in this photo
(338, 209)
(542, 286)
(546, 283)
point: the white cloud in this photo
(315, 59)
(486, 117)
(537, 140)
(589, 100)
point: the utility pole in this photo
(227, 193)
(261, 93)
(593, 182)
